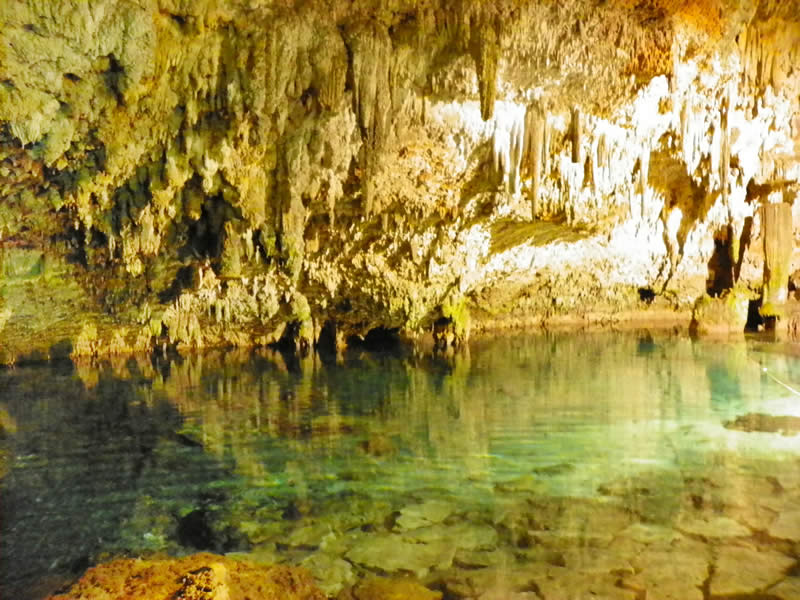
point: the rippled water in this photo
(551, 466)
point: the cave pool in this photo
(554, 466)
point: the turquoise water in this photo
(549, 466)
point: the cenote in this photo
(549, 466)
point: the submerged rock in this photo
(742, 571)
(380, 588)
(785, 425)
(195, 577)
(331, 572)
(393, 554)
(423, 514)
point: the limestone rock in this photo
(724, 315)
(195, 577)
(169, 181)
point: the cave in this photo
(419, 271)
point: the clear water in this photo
(550, 466)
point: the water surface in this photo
(549, 466)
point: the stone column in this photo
(776, 223)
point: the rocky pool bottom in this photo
(551, 467)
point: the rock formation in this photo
(240, 172)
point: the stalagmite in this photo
(548, 134)
(533, 152)
(778, 246)
(602, 151)
(589, 168)
(644, 171)
(575, 129)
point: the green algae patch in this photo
(458, 313)
(42, 304)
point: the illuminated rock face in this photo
(241, 171)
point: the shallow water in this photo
(550, 466)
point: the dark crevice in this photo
(754, 318)
(115, 78)
(326, 344)
(379, 339)
(195, 531)
(720, 268)
(183, 280)
(744, 244)
(647, 295)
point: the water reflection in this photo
(520, 457)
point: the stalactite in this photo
(725, 165)
(575, 130)
(330, 69)
(371, 50)
(778, 246)
(715, 148)
(644, 170)
(485, 49)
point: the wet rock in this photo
(393, 554)
(195, 577)
(380, 588)
(742, 571)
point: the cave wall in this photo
(237, 172)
